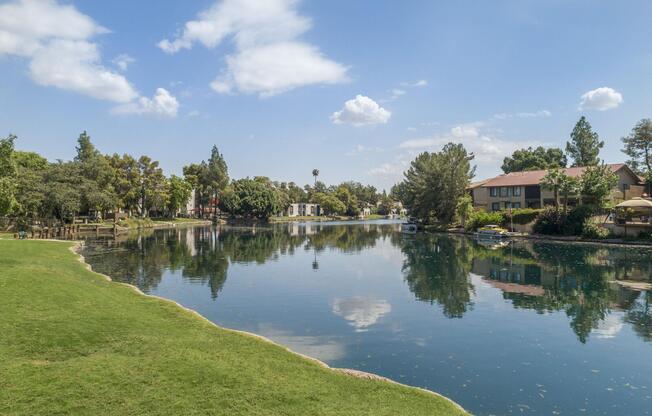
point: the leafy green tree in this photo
(464, 209)
(152, 186)
(436, 181)
(330, 204)
(193, 174)
(567, 187)
(62, 196)
(596, 184)
(178, 192)
(638, 146)
(30, 183)
(584, 145)
(251, 198)
(349, 200)
(7, 175)
(126, 181)
(215, 177)
(534, 159)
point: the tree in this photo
(251, 198)
(178, 193)
(638, 146)
(152, 186)
(534, 159)
(464, 209)
(596, 184)
(584, 145)
(436, 181)
(330, 204)
(553, 181)
(86, 151)
(30, 192)
(568, 186)
(7, 175)
(349, 200)
(315, 173)
(216, 176)
(193, 174)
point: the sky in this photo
(354, 89)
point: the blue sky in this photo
(356, 89)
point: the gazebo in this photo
(639, 205)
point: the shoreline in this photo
(77, 246)
(559, 239)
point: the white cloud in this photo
(162, 104)
(362, 312)
(361, 111)
(412, 129)
(419, 83)
(486, 148)
(601, 99)
(360, 149)
(123, 61)
(277, 68)
(535, 114)
(56, 39)
(268, 58)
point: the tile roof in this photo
(533, 177)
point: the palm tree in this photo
(315, 173)
(553, 181)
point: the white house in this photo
(303, 210)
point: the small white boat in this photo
(409, 228)
(492, 231)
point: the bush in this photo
(481, 218)
(522, 216)
(549, 221)
(594, 231)
(552, 221)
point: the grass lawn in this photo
(73, 343)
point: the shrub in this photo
(595, 231)
(522, 216)
(481, 218)
(577, 218)
(549, 221)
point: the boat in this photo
(492, 231)
(409, 228)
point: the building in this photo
(524, 190)
(303, 210)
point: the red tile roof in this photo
(533, 177)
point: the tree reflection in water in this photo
(579, 280)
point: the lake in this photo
(528, 328)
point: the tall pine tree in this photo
(584, 145)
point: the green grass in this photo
(73, 343)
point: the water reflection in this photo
(361, 311)
(580, 280)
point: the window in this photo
(495, 206)
(506, 204)
(504, 191)
(493, 191)
(516, 191)
(625, 187)
(516, 205)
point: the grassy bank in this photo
(73, 343)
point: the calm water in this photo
(530, 328)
